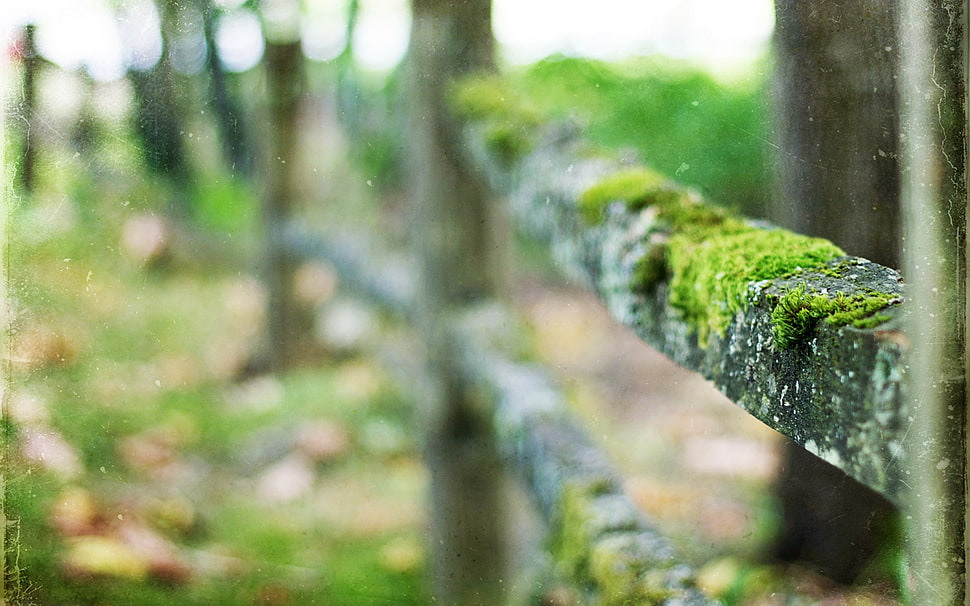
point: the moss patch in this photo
(797, 312)
(711, 256)
(577, 528)
(599, 545)
(508, 120)
(636, 187)
(711, 270)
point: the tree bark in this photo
(159, 116)
(28, 107)
(934, 147)
(837, 124)
(287, 323)
(837, 130)
(451, 232)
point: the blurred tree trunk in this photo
(28, 108)
(159, 116)
(933, 86)
(451, 230)
(232, 134)
(288, 325)
(838, 124)
(837, 128)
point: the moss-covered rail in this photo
(802, 336)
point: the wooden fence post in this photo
(451, 222)
(933, 38)
(836, 125)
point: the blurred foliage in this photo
(127, 375)
(680, 120)
(226, 203)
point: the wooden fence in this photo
(830, 350)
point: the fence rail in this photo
(834, 389)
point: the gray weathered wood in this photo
(598, 536)
(837, 393)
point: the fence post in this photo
(933, 160)
(451, 222)
(836, 125)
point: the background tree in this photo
(837, 129)
(229, 120)
(159, 114)
(451, 219)
(32, 62)
(288, 326)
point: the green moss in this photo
(509, 121)
(711, 256)
(626, 574)
(636, 187)
(573, 534)
(711, 269)
(797, 313)
(601, 550)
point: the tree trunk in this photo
(159, 116)
(28, 108)
(837, 124)
(235, 145)
(837, 129)
(451, 221)
(934, 192)
(287, 323)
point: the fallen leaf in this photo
(48, 448)
(323, 439)
(74, 512)
(287, 480)
(103, 556)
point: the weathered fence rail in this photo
(836, 389)
(764, 329)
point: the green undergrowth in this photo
(669, 112)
